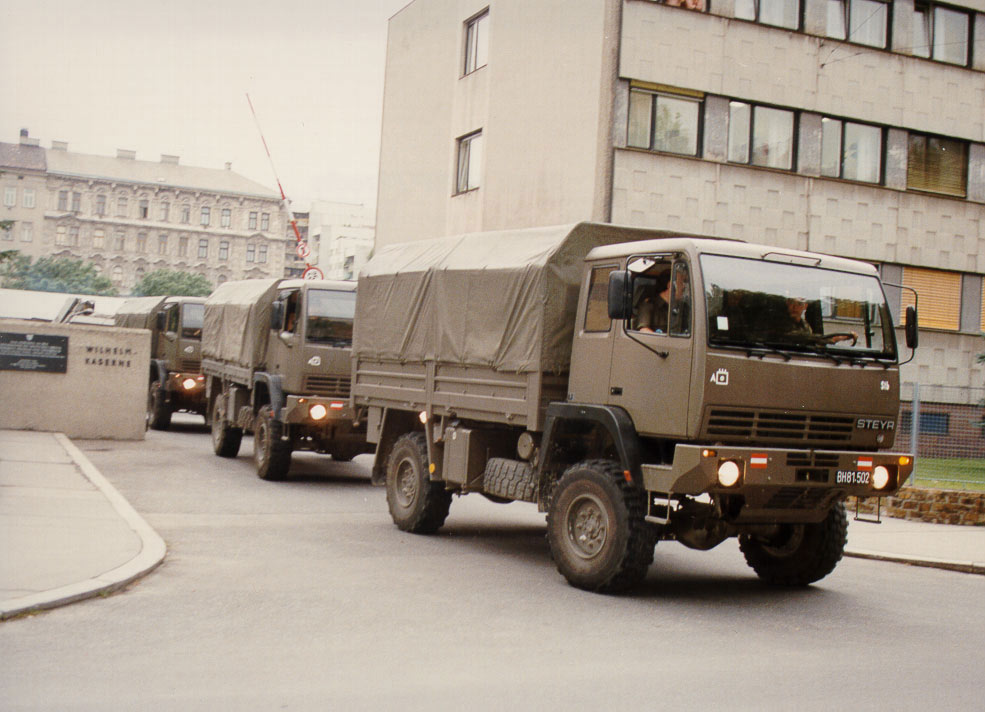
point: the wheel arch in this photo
(394, 423)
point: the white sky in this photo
(171, 77)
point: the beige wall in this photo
(102, 394)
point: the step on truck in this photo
(176, 382)
(276, 358)
(637, 386)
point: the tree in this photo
(172, 283)
(54, 274)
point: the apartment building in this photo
(849, 127)
(130, 217)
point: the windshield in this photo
(330, 317)
(761, 304)
(191, 320)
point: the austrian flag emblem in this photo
(865, 463)
(758, 461)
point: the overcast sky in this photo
(172, 78)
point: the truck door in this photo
(651, 354)
(167, 346)
(286, 336)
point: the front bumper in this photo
(298, 410)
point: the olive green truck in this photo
(175, 382)
(637, 386)
(276, 357)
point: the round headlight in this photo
(318, 411)
(189, 383)
(880, 477)
(728, 473)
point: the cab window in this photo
(596, 312)
(171, 319)
(661, 295)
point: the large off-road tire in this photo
(798, 554)
(271, 454)
(225, 438)
(158, 410)
(596, 529)
(417, 504)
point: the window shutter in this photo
(940, 296)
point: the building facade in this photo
(346, 237)
(130, 217)
(849, 127)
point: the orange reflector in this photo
(628, 477)
(709, 453)
(904, 460)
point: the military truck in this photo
(176, 382)
(276, 356)
(637, 386)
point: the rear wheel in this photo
(158, 410)
(596, 528)
(798, 554)
(225, 438)
(271, 454)
(417, 504)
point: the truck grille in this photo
(336, 386)
(191, 365)
(765, 426)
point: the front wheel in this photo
(225, 438)
(158, 410)
(417, 504)
(798, 554)
(596, 528)
(271, 454)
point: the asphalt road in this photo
(303, 596)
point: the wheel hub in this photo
(406, 484)
(587, 526)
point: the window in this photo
(940, 296)
(469, 162)
(861, 21)
(162, 244)
(119, 241)
(851, 151)
(779, 13)
(5, 232)
(597, 309)
(206, 216)
(73, 235)
(9, 197)
(476, 42)
(165, 209)
(121, 207)
(98, 239)
(76, 202)
(203, 249)
(661, 296)
(143, 209)
(100, 205)
(662, 122)
(937, 165)
(61, 233)
(226, 218)
(186, 214)
(223, 250)
(941, 33)
(253, 221)
(29, 197)
(264, 221)
(62, 198)
(769, 133)
(251, 253)
(117, 273)
(930, 423)
(262, 253)
(183, 246)
(141, 242)
(27, 232)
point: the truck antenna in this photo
(303, 250)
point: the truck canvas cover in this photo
(237, 318)
(503, 300)
(139, 312)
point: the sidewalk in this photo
(66, 534)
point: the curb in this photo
(152, 551)
(967, 567)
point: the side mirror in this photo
(910, 327)
(277, 315)
(620, 294)
(159, 320)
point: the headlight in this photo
(189, 383)
(729, 473)
(318, 411)
(880, 477)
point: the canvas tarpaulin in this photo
(139, 312)
(237, 318)
(504, 300)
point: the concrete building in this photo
(130, 217)
(346, 236)
(850, 127)
(294, 263)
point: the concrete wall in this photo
(101, 394)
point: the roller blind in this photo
(940, 296)
(938, 165)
